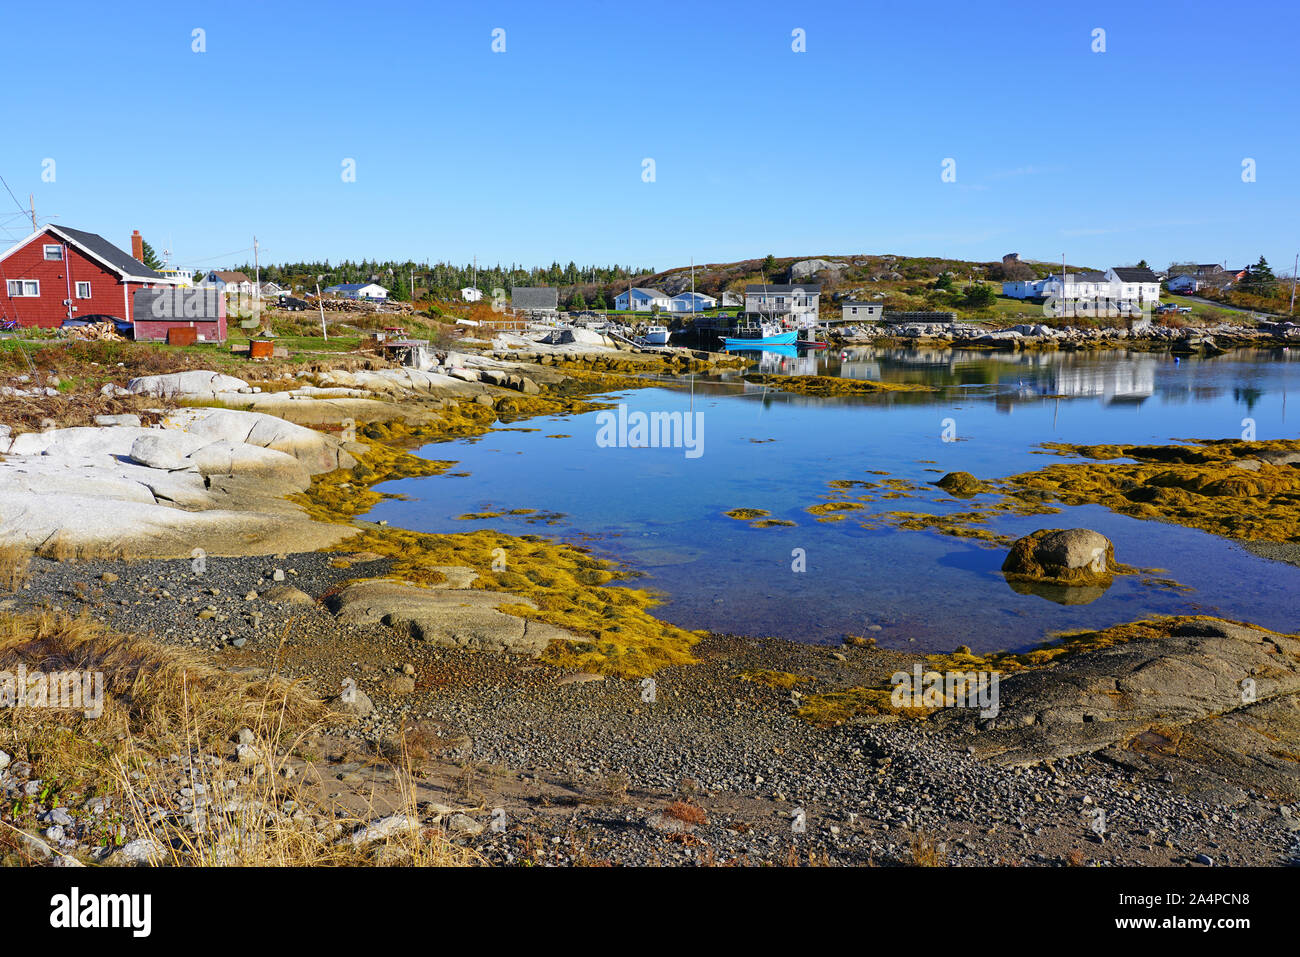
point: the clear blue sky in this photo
(535, 154)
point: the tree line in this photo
(441, 280)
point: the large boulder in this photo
(448, 617)
(1201, 697)
(163, 449)
(155, 492)
(807, 268)
(316, 451)
(1062, 556)
(224, 457)
(197, 382)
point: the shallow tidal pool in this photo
(661, 510)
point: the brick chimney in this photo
(137, 246)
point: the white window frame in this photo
(22, 285)
(78, 288)
(57, 249)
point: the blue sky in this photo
(536, 154)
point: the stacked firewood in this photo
(99, 332)
(361, 305)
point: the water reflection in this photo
(1116, 376)
(664, 514)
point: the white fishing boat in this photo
(656, 335)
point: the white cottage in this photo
(640, 299)
(692, 302)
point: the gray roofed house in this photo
(102, 249)
(795, 301)
(539, 298)
(1135, 274)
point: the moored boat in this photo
(764, 334)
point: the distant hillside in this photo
(836, 274)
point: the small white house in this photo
(1185, 283)
(639, 299)
(358, 290)
(1133, 284)
(229, 282)
(1118, 284)
(691, 302)
(471, 294)
(1023, 288)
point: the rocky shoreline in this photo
(583, 767)
(1112, 755)
(1141, 334)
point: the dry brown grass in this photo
(925, 851)
(59, 548)
(159, 701)
(687, 812)
(15, 563)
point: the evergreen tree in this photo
(577, 303)
(149, 257)
(979, 296)
(1259, 278)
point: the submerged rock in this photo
(1062, 556)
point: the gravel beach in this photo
(701, 766)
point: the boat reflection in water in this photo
(780, 360)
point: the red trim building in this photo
(59, 273)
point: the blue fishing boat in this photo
(765, 334)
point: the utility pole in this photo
(257, 282)
(1293, 279)
(325, 333)
(31, 202)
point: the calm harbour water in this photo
(660, 511)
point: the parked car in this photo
(122, 326)
(292, 304)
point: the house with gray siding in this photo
(794, 301)
(855, 310)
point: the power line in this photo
(205, 259)
(20, 206)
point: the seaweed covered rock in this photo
(450, 618)
(1062, 556)
(1211, 701)
(961, 484)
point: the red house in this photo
(58, 273)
